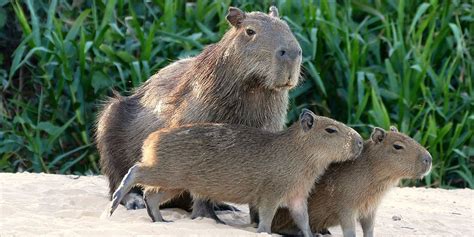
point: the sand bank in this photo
(44, 204)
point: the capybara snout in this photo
(358, 145)
(287, 64)
(426, 159)
(288, 54)
(426, 163)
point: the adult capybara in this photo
(241, 164)
(243, 79)
(353, 190)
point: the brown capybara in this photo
(239, 164)
(353, 190)
(243, 79)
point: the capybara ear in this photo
(307, 119)
(274, 12)
(378, 135)
(393, 129)
(235, 16)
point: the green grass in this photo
(366, 63)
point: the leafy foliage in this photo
(366, 63)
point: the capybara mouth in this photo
(425, 172)
(357, 150)
(356, 155)
(422, 173)
(285, 86)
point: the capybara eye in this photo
(250, 32)
(397, 147)
(330, 130)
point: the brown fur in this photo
(240, 164)
(352, 190)
(241, 79)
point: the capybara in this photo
(352, 190)
(243, 79)
(240, 164)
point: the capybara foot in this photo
(204, 209)
(225, 207)
(324, 231)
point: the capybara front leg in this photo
(299, 212)
(367, 223)
(266, 213)
(347, 224)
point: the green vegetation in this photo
(367, 63)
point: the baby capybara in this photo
(353, 190)
(239, 164)
(242, 79)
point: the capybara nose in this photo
(426, 159)
(360, 143)
(286, 54)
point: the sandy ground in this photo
(43, 204)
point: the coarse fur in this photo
(243, 79)
(240, 164)
(353, 190)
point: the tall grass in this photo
(366, 63)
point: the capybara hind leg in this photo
(204, 208)
(266, 213)
(154, 197)
(134, 199)
(128, 181)
(299, 212)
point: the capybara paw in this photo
(225, 207)
(133, 201)
(202, 213)
(160, 219)
(324, 232)
(262, 230)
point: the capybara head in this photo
(335, 140)
(403, 156)
(263, 47)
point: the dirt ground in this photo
(43, 204)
